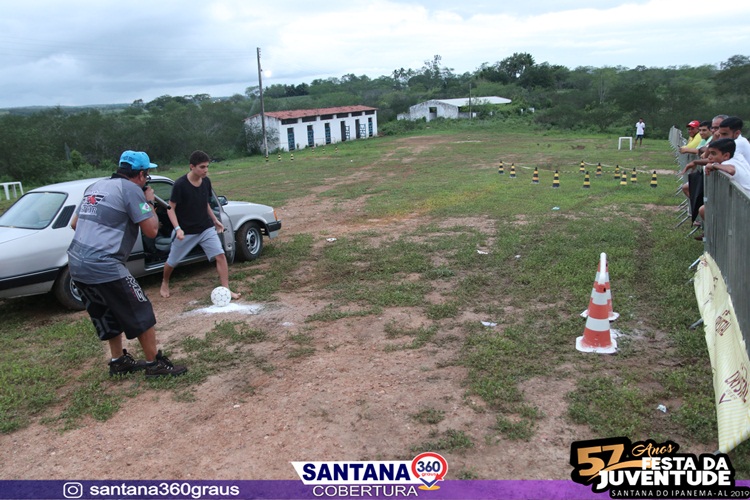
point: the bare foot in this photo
(236, 295)
(164, 290)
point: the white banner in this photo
(728, 354)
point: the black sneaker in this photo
(163, 367)
(126, 364)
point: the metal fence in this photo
(727, 240)
(677, 141)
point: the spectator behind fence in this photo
(731, 128)
(715, 125)
(704, 130)
(695, 139)
(693, 188)
(723, 156)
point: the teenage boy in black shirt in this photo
(194, 222)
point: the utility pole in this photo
(262, 108)
(470, 111)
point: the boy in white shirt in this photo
(722, 156)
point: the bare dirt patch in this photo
(354, 399)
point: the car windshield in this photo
(162, 189)
(34, 210)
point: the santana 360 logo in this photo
(389, 478)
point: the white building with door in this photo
(449, 108)
(304, 128)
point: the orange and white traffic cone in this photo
(602, 276)
(597, 335)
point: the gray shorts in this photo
(208, 240)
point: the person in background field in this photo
(640, 128)
(106, 227)
(194, 222)
(695, 139)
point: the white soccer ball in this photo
(221, 296)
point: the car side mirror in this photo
(223, 200)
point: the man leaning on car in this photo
(106, 227)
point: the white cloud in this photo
(99, 51)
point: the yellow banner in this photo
(726, 348)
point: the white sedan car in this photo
(35, 234)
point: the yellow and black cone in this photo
(266, 158)
(624, 179)
(617, 172)
(556, 180)
(500, 169)
(582, 168)
(653, 180)
(337, 149)
(279, 157)
(634, 177)
(512, 171)
(535, 177)
(598, 169)
(586, 181)
(291, 156)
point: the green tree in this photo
(516, 65)
(492, 73)
(544, 76)
(732, 82)
(26, 154)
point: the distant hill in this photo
(28, 110)
(104, 108)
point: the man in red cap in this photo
(705, 132)
(695, 138)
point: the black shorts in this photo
(118, 306)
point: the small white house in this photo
(449, 108)
(316, 127)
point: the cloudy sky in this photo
(80, 52)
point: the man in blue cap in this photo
(106, 227)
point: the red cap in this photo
(694, 124)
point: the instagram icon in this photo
(72, 490)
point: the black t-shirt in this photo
(192, 205)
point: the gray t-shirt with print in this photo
(106, 230)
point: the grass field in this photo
(540, 248)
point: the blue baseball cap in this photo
(138, 160)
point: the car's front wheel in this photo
(66, 292)
(249, 241)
